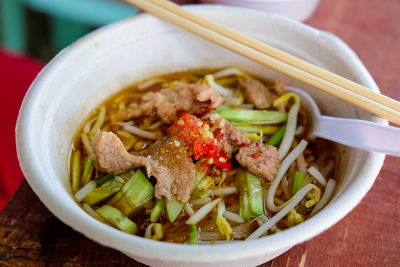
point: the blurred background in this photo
(33, 31)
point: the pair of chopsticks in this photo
(275, 59)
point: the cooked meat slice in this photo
(228, 137)
(190, 98)
(280, 87)
(112, 155)
(259, 95)
(168, 161)
(168, 103)
(179, 175)
(262, 160)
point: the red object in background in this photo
(16, 74)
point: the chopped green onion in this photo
(157, 210)
(274, 140)
(255, 193)
(249, 115)
(87, 171)
(76, 170)
(116, 218)
(193, 235)
(298, 180)
(105, 179)
(174, 208)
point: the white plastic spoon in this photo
(356, 133)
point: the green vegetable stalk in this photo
(105, 179)
(104, 191)
(250, 115)
(116, 218)
(255, 128)
(157, 210)
(298, 180)
(76, 170)
(174, 208)
(274, 140)
(255, 193)
(193, 235)
(251, 200)
(87, 171)
(133, 194)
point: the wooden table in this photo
(369, 236)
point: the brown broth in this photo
(178, 231)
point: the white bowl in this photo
(299, 10)
(97, 66)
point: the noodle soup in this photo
(202, 156)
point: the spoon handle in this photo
(361, 134)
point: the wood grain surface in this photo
(369, 236)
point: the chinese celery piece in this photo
(157, 210)
(116, 218)
(104, 191)
(244, 209)
(193, 235)
(99, 122)
(174, 208)
(298, 180)
(255, 193)
(87, 171)
(76, 170)
(134, 193)
(250, 115)
(255, 128)
(277, 137)
(105, 179)
(251, 199)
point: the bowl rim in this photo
(204, 253)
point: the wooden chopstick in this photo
(275, 59)
(278, 54)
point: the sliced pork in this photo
(262, 160)
(259, 95)
(228, 138)
(169, 103)
(168, 161)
